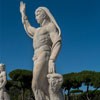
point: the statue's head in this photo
(43, 13)
(40, 15)
(2, 67)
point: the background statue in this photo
(3, 81)
(46, 44)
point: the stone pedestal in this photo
(55, 81)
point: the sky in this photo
(79, 21)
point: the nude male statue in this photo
(3, 81)
(46, 44)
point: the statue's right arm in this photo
(28, 28)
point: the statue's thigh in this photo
(41, 65)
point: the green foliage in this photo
(76, 91)
(76, 80)
(20, 85)
(71, 80)
(21, 78)
(96, 80)
(19, 74)
(9, 84)
(87, 77)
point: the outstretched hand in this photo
(22, 7)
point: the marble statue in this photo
(46, 44)
(3, 94)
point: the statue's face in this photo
(1, 68)
(40, 15)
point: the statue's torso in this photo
(1, 78)
(41, 39)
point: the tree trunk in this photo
(68, 94)
(87, 88)
(22, 94)
(87, 94)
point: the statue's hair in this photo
(52, 19)
(3, 66)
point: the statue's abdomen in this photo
(41, 39)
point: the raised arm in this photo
(28, 28)
(56, 45)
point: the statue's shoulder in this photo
(51, 26)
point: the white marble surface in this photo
(55, 82)
(46, 44)
(3, 81)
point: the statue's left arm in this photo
(56, 45)
(4, 80)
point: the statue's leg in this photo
(39, 82)
(6, 96)
(1, 94)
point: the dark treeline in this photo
(19, 85)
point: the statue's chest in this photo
(41, 34)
